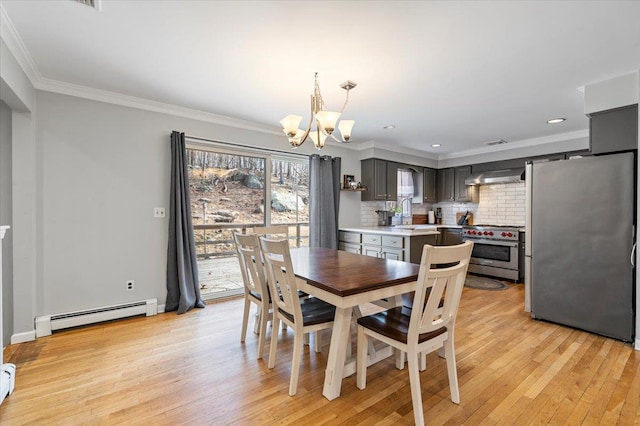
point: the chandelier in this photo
(325, 121)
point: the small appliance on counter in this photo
(384, 217)
(438, 216)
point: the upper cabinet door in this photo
(429, 186)
(392, 181)
(614, 130)
(446, 191)
(462, 193)
(381, 179)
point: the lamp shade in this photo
(345, 127)
(290, 124)
(318, 138)
(327, 120)
(297, 140)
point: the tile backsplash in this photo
(502, 204)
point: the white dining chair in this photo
(255, 286)
(302, 315)
(274, 231)
(425, 327)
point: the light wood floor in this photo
(192, 368)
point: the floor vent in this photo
(45, 325)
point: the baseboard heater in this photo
(45, 325)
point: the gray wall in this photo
(5, 219)
(103, 170)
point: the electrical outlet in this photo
(130, 285)
(158, 212)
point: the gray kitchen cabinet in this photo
(394, 247)
(463, 192)
(381, 179)
(614, 130)
(451, 186)
(446, 185)
(449, 236)
(429, 185)
(416, 245)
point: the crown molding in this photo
(560, 137)
(17, 48)
(404, 150)
(90, 93)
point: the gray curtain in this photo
(324, 201)
(183, 288)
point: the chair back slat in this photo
(445, 283)
(251, 267)
(272, 231)
(281, 278)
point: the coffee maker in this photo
(384, 217)
(438, 216)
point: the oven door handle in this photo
(494, 243)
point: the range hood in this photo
(496, 176)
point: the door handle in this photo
(633, 255)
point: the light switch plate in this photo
(158, 212)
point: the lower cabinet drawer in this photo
(392, 254)
(391, 241)
(371, 239)
(373, 251)
(351, 248)
(350, 237)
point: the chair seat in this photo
(394, 324)
(314, 311)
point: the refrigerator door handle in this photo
(633, 250)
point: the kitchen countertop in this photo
(403, 230)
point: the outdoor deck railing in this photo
(208, 244)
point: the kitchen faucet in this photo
(408, 210)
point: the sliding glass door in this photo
(230, 192)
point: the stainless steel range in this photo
(498, 251)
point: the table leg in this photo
(337, 353)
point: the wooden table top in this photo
(346, 274)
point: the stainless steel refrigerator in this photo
(580, 243)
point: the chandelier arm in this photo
(305, 136)
(346, 101)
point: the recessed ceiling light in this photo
(435, 145)
(389, 126)
(556, 120)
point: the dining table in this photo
(347, 280)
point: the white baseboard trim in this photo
(27, 336)
(638, 344)
(160, 308)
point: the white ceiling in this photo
(455, 73)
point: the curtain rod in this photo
(237, 145)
